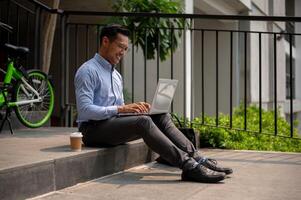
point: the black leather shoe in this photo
(200, 173)
(212, 164)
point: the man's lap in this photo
(114, 131)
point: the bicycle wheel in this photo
(34, 114)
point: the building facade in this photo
(268, 63)
(220, 63)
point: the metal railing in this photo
(79, 41)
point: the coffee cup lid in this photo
(76, 134)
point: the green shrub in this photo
(251, 139)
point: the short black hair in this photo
(112, 30)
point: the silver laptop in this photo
(162, 99)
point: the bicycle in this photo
(30, 93)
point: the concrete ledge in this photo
(46, 164)
(72, 170)
(26, 182)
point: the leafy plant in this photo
(153, 33)
(127, 96)
(211, 136)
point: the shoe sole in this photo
(212, 180)
(228, 172)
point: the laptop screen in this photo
(163, 96)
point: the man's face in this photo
(115, 50)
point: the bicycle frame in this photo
(13, 73)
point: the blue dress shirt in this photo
(98, 90)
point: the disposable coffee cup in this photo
(76, 141)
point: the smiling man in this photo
(99, 98)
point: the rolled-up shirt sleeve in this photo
(84, 90)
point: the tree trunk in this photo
(48, 36)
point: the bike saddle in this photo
(15, 50)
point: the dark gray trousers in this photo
(157, 131)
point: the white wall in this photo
(254, 62)
(262, 5)
(210, 67)
(261, 8)
(258, 8)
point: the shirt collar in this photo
(103, 62)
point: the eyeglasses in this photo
(121, 46)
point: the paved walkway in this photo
(29, 146)
(38, 161)
(257, 175)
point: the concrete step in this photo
(257, 175)
(38, 161)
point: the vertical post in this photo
(216, 77)
(187, 73)
(145, 65)
(63, 64)
(76, 45)
(184, 75)
(1, 32)
(66, 103)
(87, 41)
(37, 38)
(70, 115)
(18, 26)
(231, 77)
(133, 64)
(7, 14)
(291, 86)
(275, 83)
(188, 67)
(97, 37)
(203, 81)
(260, 85)
(7, 19)
(191, 74)
(158, 53)
(245, 81)
(171, 61)
(27, 35)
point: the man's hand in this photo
(140, 107)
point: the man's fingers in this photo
(136, 111)
(140, 107)
(146, 106)
(135, 108)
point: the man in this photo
(98, 88)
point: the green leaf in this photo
(233, 139)
(151, 25)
